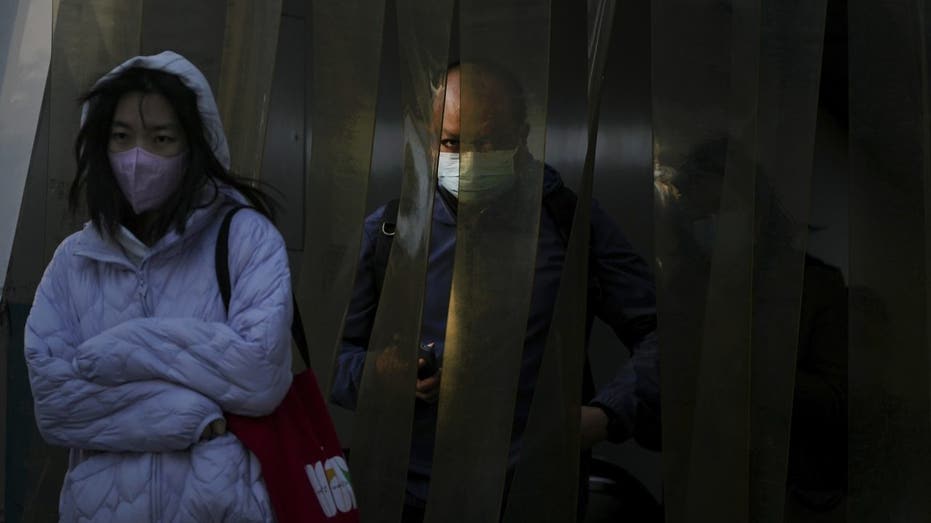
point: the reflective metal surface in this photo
(25, 54)
(496, 242)
(246, 71)
(24, 57)
(284, 157)
(342, 104)
(890, 416)
(385, 409)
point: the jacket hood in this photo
(190, 76)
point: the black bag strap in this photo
(560, 204)
(389, 227)
(223, 279)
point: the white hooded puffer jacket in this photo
(130, 363)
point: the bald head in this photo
(484, 103)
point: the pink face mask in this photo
(147, 179)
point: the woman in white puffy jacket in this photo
(133, 358)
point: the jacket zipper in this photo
(156, 457)
(157, 508)
(153, 489)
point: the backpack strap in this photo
(221, 260)
(389, 227)
(560, 204)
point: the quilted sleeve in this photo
(71, 411)
(244, 364)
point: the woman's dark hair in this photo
(106, 204)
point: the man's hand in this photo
(594, 426)
(428, 389)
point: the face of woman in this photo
(147, 149)
(149, 122)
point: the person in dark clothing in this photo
(626, 407)
(817, 475)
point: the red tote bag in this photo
(305, 472)
(303, 465)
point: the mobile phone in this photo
(429, 368)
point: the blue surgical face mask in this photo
(475, 174)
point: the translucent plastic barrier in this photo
(385, 409)
(889, 463)
(342, 104)
(546, 479)
(496, 244)
(790, 65)
(705, 63)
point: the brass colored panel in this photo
(91, 37)
(26, 65)
(889, 463)
(385, 409)
(496, 243)
(545, 484)
(566, 126)
(790, 66)
(342, 103)
(246, 72)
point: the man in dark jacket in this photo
(623, 294)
